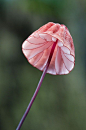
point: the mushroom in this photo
(51, 50)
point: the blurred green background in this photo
(61, 102)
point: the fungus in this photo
(51, 50)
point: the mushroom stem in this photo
(38, 87)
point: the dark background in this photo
(61, 102)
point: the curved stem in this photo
(38, 87)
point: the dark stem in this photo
(38, 87)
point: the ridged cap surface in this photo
(37, 47)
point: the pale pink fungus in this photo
(38, 45)
(51, 50)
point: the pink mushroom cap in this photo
(37, 48)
